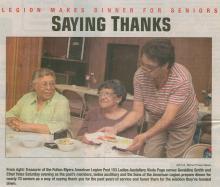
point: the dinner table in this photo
(16, 149)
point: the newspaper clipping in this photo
(109, 93)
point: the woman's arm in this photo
(163, 123)
(19, 125)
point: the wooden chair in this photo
(196, 151)
(76, 101)
(142, 125)
(92, 101)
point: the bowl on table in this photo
(66, 144)
(31, 140)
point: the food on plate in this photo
(65, 141)
(108, 137)
(65, 144)
(122, 143)
(119, 143)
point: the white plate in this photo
(122, 143)
(116, 141)
(93, 137)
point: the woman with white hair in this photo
(43, 110)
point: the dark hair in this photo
(42, 72)
(116, 86)
(160, 50)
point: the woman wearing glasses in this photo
(111, 96)
(164, 89)
(43, 110)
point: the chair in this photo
(206, 129)
(196, 151)
(203, 130)
(76, 101)
(92, 101)
(75, 125)
(142, 124)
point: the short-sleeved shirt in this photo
(95, 120)
(55, 112)
(177, 90)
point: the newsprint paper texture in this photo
(173, 19)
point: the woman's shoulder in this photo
(180, 73)
(29, 95)
(139, 73)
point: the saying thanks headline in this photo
(117, 23)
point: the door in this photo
(122, 64)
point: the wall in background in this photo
(194, 53)
(23, 56)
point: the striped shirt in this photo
(177, 90)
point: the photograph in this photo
(138, 97)
(109, 93)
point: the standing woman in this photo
(164, 89)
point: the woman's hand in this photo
(15, 123)
(85, 140)
(138, 142)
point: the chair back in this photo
(76, 101)
(74, 127)
(196, 151)
(128, 105)
(92, 101)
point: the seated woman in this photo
(43, 110)
(111, 96)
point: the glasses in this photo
(149, 68)
(47, 84)
(106, 94)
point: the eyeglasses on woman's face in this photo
(46, 84)
(45, 87)
(106, 94)
(148, 65)
(149, 68)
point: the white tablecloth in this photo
(14, 148)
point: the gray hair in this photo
(41, 73)
(117, 87)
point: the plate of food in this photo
(122, 143)
(118, 142)
(66, 144)
(108, 137)
(99, 137)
